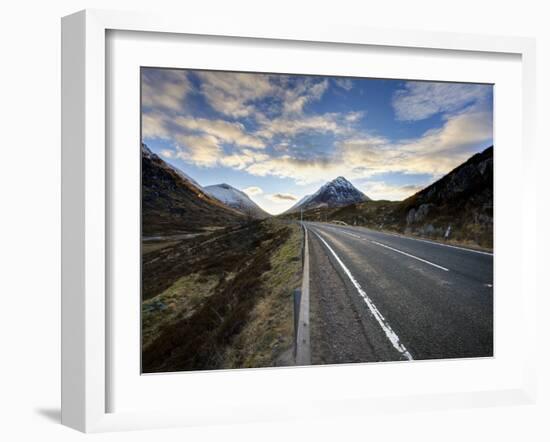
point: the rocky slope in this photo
(459, 205)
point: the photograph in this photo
(296, 219)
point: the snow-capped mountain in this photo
(236, 199)
(336, 193)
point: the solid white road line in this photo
(409, 255)
(390, 334)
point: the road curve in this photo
(381, 297)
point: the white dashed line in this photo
(435, 243)
(410, 256)
(349, 234)
(391, 248)
(390, 334)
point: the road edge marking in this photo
(386, 328)
(409, 255)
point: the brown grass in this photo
(267, 338)
(244, 294)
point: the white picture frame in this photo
(85, 208)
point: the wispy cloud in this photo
(241, 159)
(203, 150)
(420, 100)
(233, 94)
(282, 197)
(153, 125)
(291, 126)
(164, 88)
(353, 117)
(168, 153)
(253, 190)
(305, 90)
(224, 131)
(380, 190)
(344, 83)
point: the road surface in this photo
(381, 297)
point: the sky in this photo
(280, 137)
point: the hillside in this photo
(236, 199)
(172, 203)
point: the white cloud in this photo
(167, 153)
(253, 190)
(435, 153)
(420, 100)
(152, 125)
(380, 190)
(344, 83)
(202, 150)
(282, 198)
(237, 94)
(225, 131)
(163, 88)
(241, 159)
(232, 94)
(353, 117)
(304, 92)
(290, 126)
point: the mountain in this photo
(458, 207)
(236, 199)
(172, 202)
(336, 193)
(461, 201)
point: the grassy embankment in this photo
(222, 300)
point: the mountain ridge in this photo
(236, 199)
(335, 193)
(174, 203)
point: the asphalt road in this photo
(381, 297)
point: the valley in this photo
(219, 273)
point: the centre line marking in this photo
(348, 233)
(409, 255)
(390, 334)
(435, 243)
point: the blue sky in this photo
(280, 137)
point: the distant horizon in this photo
(280, 137)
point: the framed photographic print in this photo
(251, 213)
(392, 179)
